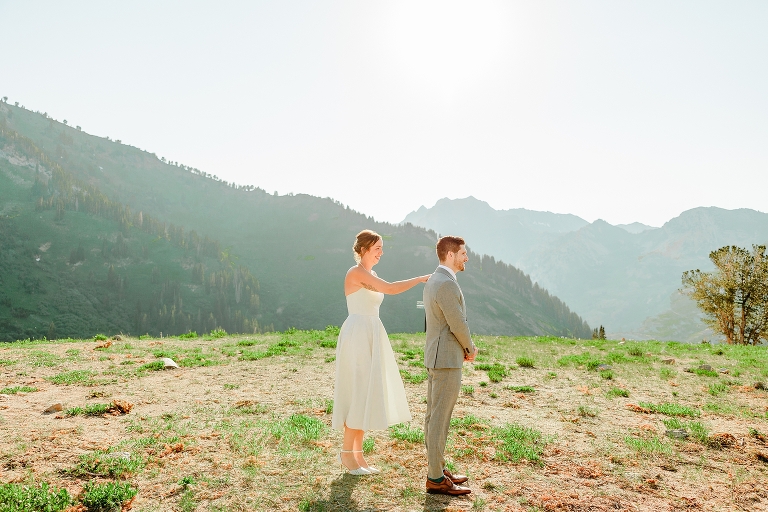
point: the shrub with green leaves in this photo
(217, 333)
(25, 498)
(106, 497)
(100, 337)
(188, 336)
(635, 351)
(467, 389)
(606, 374)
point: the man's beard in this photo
(461, 267)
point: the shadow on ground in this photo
(340, 499)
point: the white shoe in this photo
(372, 470)
(360, 471)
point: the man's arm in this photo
(448, 298)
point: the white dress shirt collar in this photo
(450, 271)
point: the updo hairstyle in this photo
(364, 241)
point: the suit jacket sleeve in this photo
(448, 297)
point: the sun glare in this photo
(447, 50)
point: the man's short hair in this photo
(448, 244)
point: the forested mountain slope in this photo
(297, 247)
(624, 277)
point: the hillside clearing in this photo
(244, 424)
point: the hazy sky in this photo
(626, 111)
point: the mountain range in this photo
(99, 236)
(626, 277)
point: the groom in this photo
(448, 345)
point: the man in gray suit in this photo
(448, 345)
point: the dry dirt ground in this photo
(244, 424)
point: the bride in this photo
(368, 392)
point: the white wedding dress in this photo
(369, 393)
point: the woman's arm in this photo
(359, 278)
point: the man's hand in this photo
(471, 357)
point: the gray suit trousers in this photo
(443, 387)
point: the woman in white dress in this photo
(369, 393)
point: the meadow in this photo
(542, 424)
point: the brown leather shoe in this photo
(446, 487)
(457, 479)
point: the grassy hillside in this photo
(298, 247)
(244, 424)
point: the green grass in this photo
(106, 497)
(414, 378)
(614, 392)
(669, 409)
(648, 447)
(83, 377)
(587, 412)
(88, 410)
(496, 372)
(297, 430)
(369, 444)
(636, 351)
(521, 389)
(667, 373)
(467, 389)
(404, 432)
(188, 336)
(108, 463)
(704, 373)
(150, 367)
(515, 442)
(7, 362)
(29, 498)
(695, 429)
(607, 374)
(717, 388)
(17, 389)
(468, 421)
(525, 362)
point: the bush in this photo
(100, 337)
(189, 335)
(218, 333)
(106, 497)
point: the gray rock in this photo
(706, 367)
(668, 361)
(678, 433)
(725, 371)
(169, 363)
(602, 367)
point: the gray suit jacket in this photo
(448, 338)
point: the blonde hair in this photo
(364, 241)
